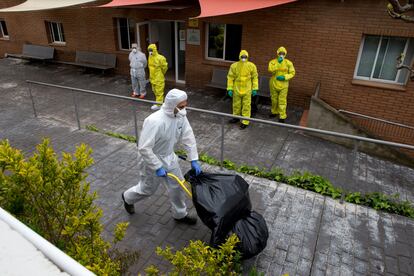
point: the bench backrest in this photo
(264, 89)
(96, 58)
(219, 77)
(45, 52)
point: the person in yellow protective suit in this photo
(242, 84)
(158, 66)
(282, 71)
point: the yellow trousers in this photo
(159, 92)
(279, 102)
(242, 105)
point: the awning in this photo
(37, 5)
(222, 7)
(121, 3)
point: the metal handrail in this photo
(375, 119)
(307, 129)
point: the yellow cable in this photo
(181, 182)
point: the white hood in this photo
(173, 98)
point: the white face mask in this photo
(181, 113)
(150, 53)
(134, 50)
(244, 59)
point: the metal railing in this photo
(382, 128)
(350, 162)
(56, 256)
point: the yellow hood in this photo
(153, 47)
(282, 49)
(243, 53)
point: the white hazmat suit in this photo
(161, 131)
(138, 62)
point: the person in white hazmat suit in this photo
(161, 131)
(137, 62)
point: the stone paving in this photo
(309, 234)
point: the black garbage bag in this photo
(220, 200)
(253, 234)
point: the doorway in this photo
(169, 36)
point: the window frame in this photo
(371, 78)
(60, 32)
(3, 36)
(224, 43)
(119, 33)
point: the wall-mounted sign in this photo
(193, 36)
(193, 23)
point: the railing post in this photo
(349, 174)
(31, 98)
(76, 109)
(135, 124)
(222, 143)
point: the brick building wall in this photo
(322, 37)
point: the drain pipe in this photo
(59, 258)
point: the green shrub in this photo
(52, 197)
(201, 259)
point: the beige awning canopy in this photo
(37, 5)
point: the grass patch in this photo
(306, 180)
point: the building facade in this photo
(349, 47)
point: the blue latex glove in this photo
(161, 172)
(280, 78)
(280, 59)
(230, 93)
(254, 93)
(196, 167)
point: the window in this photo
(378, 59)
(3, 29)
(56, 32)
(223, 41)
(126, 33)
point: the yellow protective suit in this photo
(242, 79)
(158, 66)
(279, 89)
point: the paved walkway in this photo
(309, 234)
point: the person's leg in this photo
(147, 185)
(159, 92)
(283, 103)
(142, 84)
(236, 107)
(246, 108)
(134, 83)
(176, 195)
(274, 96)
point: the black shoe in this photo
(128, 207)
(243, 126)
(281, 120)
(233, 121)
(272, 115)
(188, 219)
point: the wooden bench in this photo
(264, 90)
(94, 60)
(219, 79)
(37, 52)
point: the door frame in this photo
(139, 24)
(176, 39)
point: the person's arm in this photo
(291, 71)
(146, 145)
(188, 140)
(231, 76)
(164, 65)
(272, 67)
(255, 78)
